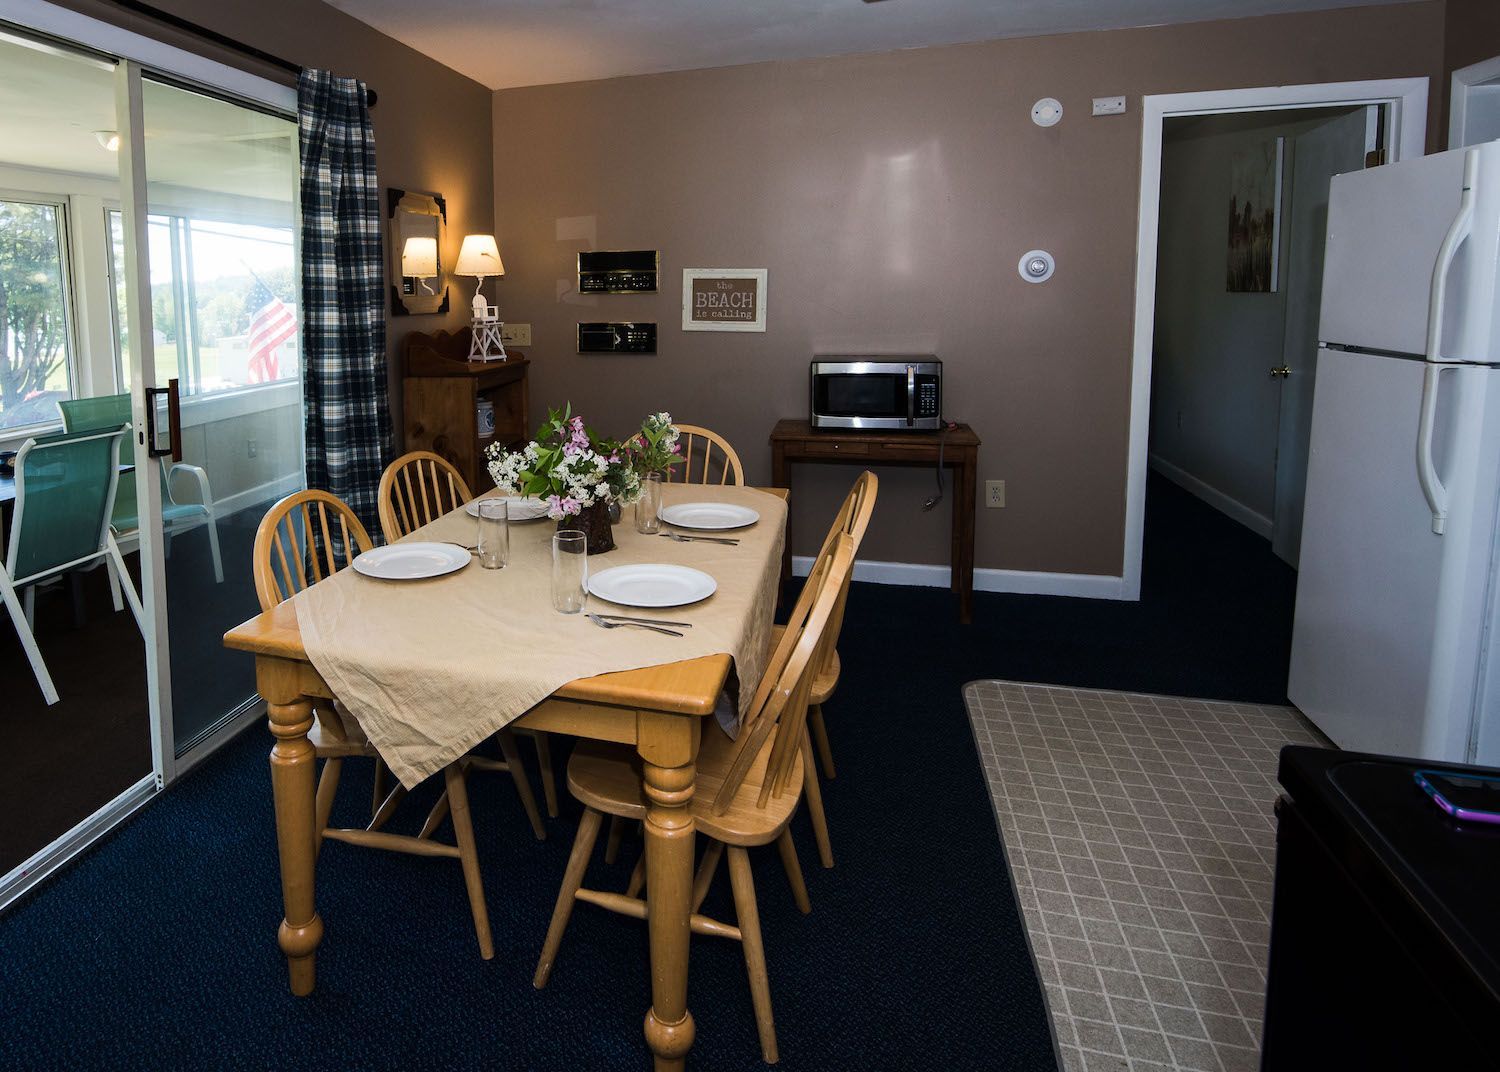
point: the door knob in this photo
(1281, 373)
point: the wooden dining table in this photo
(659, 710)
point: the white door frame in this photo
(1477, 74)
(137, 54)
(1406, 135)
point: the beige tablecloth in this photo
(431, 668)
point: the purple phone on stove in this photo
(1469, 797)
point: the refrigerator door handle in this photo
(1458, 233)
(1427, 475)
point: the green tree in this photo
(33, 324)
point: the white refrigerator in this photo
(1395, 648)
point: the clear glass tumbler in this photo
(570, 570)
(494, 533)
(648, 505)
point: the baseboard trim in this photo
(276, 489)
(1257, 523)
(1014, 582)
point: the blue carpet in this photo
(157, 950)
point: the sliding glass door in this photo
(148, 299)
(75, 707)
(220, 222)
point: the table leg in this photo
(668, 744)
(292, 766)
(955, 549)
(965, 499)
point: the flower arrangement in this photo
(655, 449)
(567, 467)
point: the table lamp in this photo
(479, 256)
(419, 261)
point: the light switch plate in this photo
(516, 334)
(1109, 105)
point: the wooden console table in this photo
(797, 441)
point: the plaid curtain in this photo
(347, 415)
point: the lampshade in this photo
(419, 258)
(479, 256)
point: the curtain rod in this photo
(177, 22)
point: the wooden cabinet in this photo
(442, 390)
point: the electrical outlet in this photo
(994, 493)
(1109, 105)
(252, 448)
(516, 334)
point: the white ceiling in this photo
(507, 43)
(50, 107)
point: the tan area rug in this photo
(1141, 836)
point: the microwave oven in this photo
(899, 393)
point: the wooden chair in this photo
(415, 490)
(302, 540)
(698, 453)
(852, 519)
(745, 795)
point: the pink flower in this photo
(676, 448)
(554, 507)
(570, 506)
(614, 459)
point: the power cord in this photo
(933, 500)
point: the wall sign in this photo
(724, 299)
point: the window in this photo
(36, 342)
(222, 302)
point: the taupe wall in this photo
(432, 125)
(891, 196)
(1472, 33)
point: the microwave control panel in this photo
(928, 402)
(637, 337)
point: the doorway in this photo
(1244, 204)
(1403, 136)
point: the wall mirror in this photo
(419, 278)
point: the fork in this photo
(698, 539)
(601, 623)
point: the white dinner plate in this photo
(652, 585)
(708, 515)
(411, 561)
(521, 508)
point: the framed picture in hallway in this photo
(1255, 218)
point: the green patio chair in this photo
(65, 494)
(111, 411)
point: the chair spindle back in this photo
(780, 702)
(699, 463)
(417, 489)
(300, 541)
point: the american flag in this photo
(271, 324)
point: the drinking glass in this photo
(494, 533)
(646, 507)
(570, 570)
